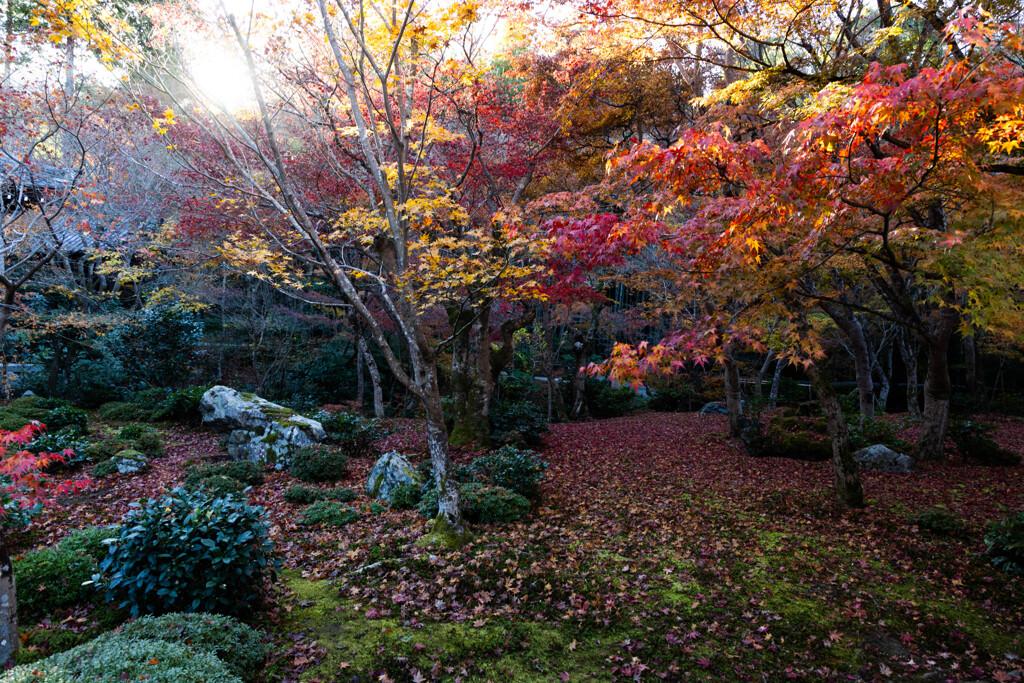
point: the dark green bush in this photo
(973, 441)
(121, 411)
(142, 438)
(237, 645)
(1004, 543)
(107, 449)
(190, 552)
(327, 513)
(241, 470)
(604, 401)
(939, 521)
(117, 657)
(405, 496)
(871, 431)
(180, 404)
(511, 468)
(12, 422)
(481, 504)
(1008, 404)
(518, 423)
(68, 418)
(52, 579)
(217, 485)
(799, 438)
(355, 435)
(133, 437)
(676, 398)
(299, 494)
(103, 469)
(315, 465)
(304, 495)
(91, 541)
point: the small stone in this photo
(129, 461)
(714, 408)
(880, 458)
(389, 472)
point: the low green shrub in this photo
(65, 417)
(52, 579)
(298, 494)
(481, 504)
(327, 513)
(217, 485)
(315, 465)
(973, 441)
(604, 400)
(237, 645)
(117, 657)
(799, 438)
(133, 437)
(121, 411)
(1004, 544)
(939, 521)
(512, 468)
(107, 449)
(103, 469)
(376, 508)
(91, 541)
(190, 552)
(304, 495)
(142, 438)
(405, 496)
(240, 470)
(355, 435)
(871, 431)
(180, 404)
(518, 423)
(676, 398)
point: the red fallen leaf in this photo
(154, 661)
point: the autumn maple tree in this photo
(25, 484)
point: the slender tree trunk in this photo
(582, 347)
(857, 344)
(884, 372)
(360, 380)
(971, 363)
(9, 640)
(937, 390)
(848, 489)
(862, 368)
(556, 402)
(908, 352)
(448, 524)
(733, 395)
(773, 395)
(371, 367)
(759, 380)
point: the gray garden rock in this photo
(879, 458)
(257, 430)
(129, 461)
(389, 472)
(714, 408)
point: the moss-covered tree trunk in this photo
(848, 489)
